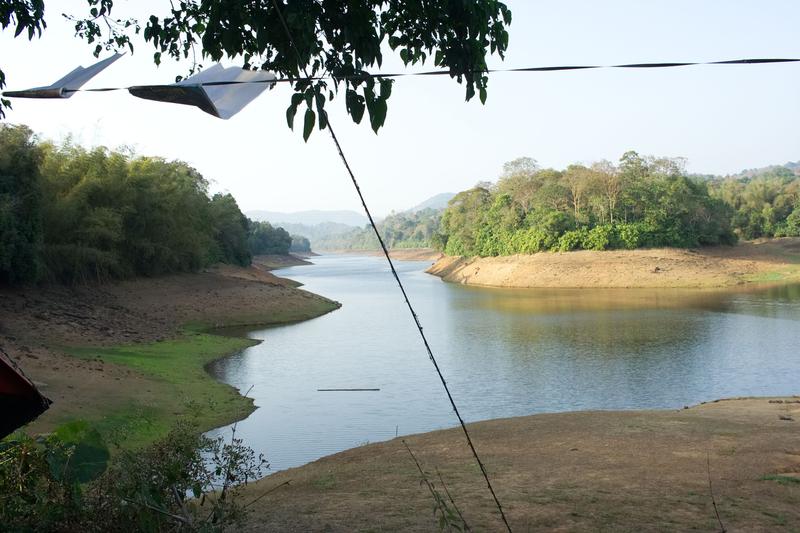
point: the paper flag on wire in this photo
(64, 87)
(208, 90)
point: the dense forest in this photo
(69, 214)
(765, 203)
(642, 202)
(638, 202)
(399, 230)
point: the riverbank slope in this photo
(775, 260)
(402, 254)
(583, 471)
(130, 356)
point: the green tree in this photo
(20, 205)
(263, 239)
(339, 38)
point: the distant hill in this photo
(309, 218)
(434, 202)
(793, 166)
(318, 232)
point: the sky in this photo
(722, 119)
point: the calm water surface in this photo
(504, 353)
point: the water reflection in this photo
(504, 353)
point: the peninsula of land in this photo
(765, 261)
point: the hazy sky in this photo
(723, 119)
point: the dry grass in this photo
(586, 471)
(769, 261)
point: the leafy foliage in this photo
(266, 239)
(300, 244)
(72, 215)
(399, 230)
(298, 39)
(20, 205)
(765, 203)
(642, 202)
(66, 482)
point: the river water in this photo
(504, 352)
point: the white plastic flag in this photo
(219, 91)
(65, 87)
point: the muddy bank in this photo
(776, 260)
(584, 471)
(273, 262)
(44, 327)
(403, 254)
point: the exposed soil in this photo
(408, 254)
(272, 262)
(36, 321)
(776, 260)
(584, 471)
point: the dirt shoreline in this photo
(398, 254)
(86, 346)
(580, 471)
(768, 261)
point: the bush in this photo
(571, 240)
(66, 482)
(601, 238)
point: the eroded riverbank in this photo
(772, 261)
(130, 356)
(582, 471)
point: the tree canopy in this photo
(69, 214)
(340, 39)
(641, 202)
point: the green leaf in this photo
(308, 123)
(355, 105)
(323, 119)
(76, 452)
(291, 111)
(377, 113)
(386, 88)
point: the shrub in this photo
(66, 482)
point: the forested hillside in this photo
(399, 230)
(639, 202)
(68, 214)
(765, 203)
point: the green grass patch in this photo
(783, 480)
(179, 387)
(176, 385)
(325, 482)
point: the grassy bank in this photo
(177, 384)
(130, 357)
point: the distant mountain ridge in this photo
(310, 218)
(794, 166)
(339, 230)
(438, 201)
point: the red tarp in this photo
(20, 401)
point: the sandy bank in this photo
(58, 335)
(584, 471)
(403, 254)
(273, 262)
(776, 260)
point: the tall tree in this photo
(20, 205)
(609, 182)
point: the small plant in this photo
(66, 482)
(445, 511)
